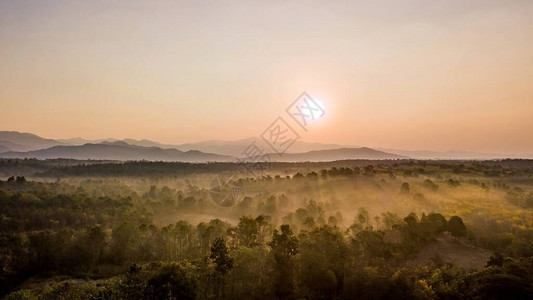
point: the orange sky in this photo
(427, 75)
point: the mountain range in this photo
(232, 148)
(17, 141)
(26, 145)
(336, 154)
(117, 151)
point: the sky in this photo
(414, 75)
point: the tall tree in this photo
(223, 263)
(284, 246)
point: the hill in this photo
(19, 141)
(235, 148)
(336, 154)
(117, 151)
(453, 154)
(4, 148)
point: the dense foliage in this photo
(389, 230)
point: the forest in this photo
(361, 229)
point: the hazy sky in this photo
(434, 75)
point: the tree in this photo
(298, 176)
(405, 188)
(428, 184)
(362, 216)
(284, 246)
(248, 277)
(433, 223)
(456, 227)
(319, 280)
(223, 263)
(178, 239)
(495, 284)
(324, 257)
(92, 243)
(208, 232)
(133, 285)
(125, 241)
(312, 176)
(390, 219)
(171, 282)
(247, 231)
(411, 219)
(219, 254)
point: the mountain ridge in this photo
(13, 141)
(117, 151)
(23, 141)
(334, 155)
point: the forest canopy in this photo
(343, 230)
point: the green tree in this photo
(208, 232)
(284, 246)
(124, 243)
(223, 263)
(404, 189)
(247, 231)
(220, 256)
(433, 223)
(324, 257)
(456, 227)
(171, 282)
(133, 285)
(428, 184)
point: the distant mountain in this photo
(77, 141)
(4, 148)
(235, 148)
(117, 151)
(18, 141)
(12, 141)
(148, 143)
(452, 154)
(336, 154)
(14, 147)
(144, 143)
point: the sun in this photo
(322, 112)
